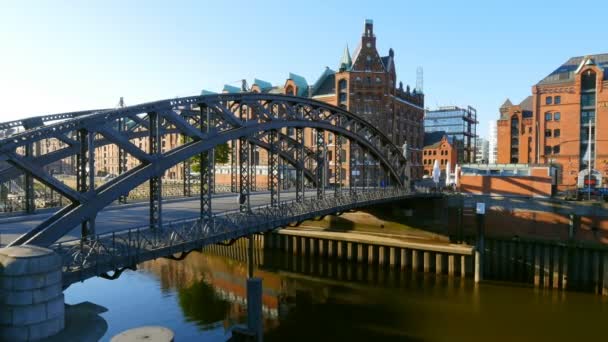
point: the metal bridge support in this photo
(320, 176)
(85, 177)
(274, 180)
(154, 137)
(352, 167)
(363, 156)
(253, 169)
(338, 165)
(300, 165)
(233, 167)
(186, 172)
(207, 170)
(244, 161)
(30, 203)
(122, 157)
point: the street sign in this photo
(481, 208)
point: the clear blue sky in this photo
(61, 56)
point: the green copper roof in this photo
(301, 83)
(207, 92)
(324, 85)
(262, 84)
(231, 89)
(345, 62)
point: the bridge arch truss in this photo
(275, 123)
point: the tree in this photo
(222, 153)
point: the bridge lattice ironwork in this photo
(272, 122)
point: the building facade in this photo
(507, 180)
(492, 143)
(483, 151)
(557, 125)
(364, 84)
(438, 146)
(460, 124)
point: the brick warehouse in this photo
(438, 146)
(365, 84)
(558, 123)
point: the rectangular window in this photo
(547, 133)
(556, 133)
(588, 100)
(558, 100)
(548, 116)
(557, 116)
(549, 100)
(556, 149)
(548, 149)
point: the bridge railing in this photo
(84, 258)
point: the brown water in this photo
(202, 297)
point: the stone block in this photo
(16, 297)
(46, 293)
(6, 316)
(28, 282)
(53, 278)
(46, 328)
(23, 260)
(14, 333)
(28, 314)
(55, 307)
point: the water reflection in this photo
(308, 298)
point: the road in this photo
(120, 217)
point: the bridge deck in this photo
(117, 250)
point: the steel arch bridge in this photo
(275, 123)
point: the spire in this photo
(345, 62)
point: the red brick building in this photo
(557, 125)
(365, 84)
(437, 146)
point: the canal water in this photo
(314, 299)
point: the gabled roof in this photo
(301, 83)
(507, 103)
(387, 62)
(262, 84)
(565, 73)
(526, 104)
(325, 84)
(433, 139)
(231, 89)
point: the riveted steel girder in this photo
(155, 148)
(321, 159)
(278, 112)
(274, 177)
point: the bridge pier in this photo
(31, 294)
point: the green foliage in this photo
(222, 154)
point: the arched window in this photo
(290, 91)
(342, 85)
(588, 80)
